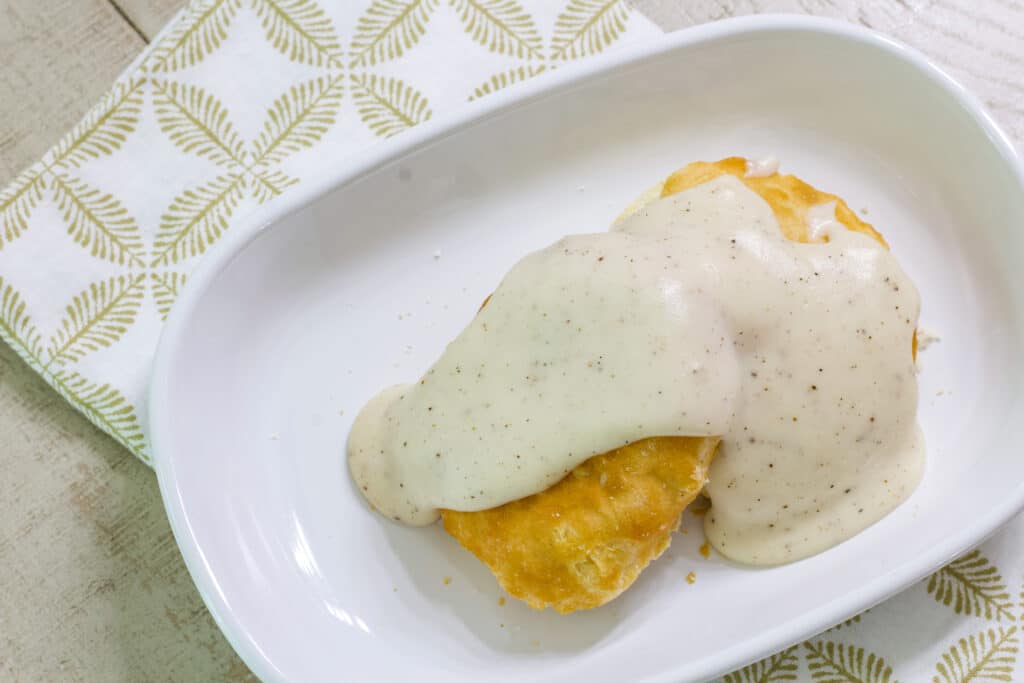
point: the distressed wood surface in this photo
(92, 586)
(56, 58)
(148, 16)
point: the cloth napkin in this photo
(233, 105)
(238, 101)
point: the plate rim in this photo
(783, 635)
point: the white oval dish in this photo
(283, 333)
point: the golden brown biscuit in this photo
(584, 540)
(788, 196)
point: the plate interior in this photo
(363, 289)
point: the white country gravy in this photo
(694, 317)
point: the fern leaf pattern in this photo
(586, 27)
(502, 26)
(201, 30)
(299, 118)
(388, 29)
(986, 656)
(849, 622)
(972, 585)
(166, 287)
(782, 666)
(267, 184)
(97, 317)
(17, 201)
(300, 30)
(507, 78)
(98, 222)
(196, 122)
(16, 327)
(105, 407)
(830, 662)
(105, 128)
(195, 220)
(229, 107)
(387, 105)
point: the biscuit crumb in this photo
(447, 580)
(501, 601)
(926, 338)
(691, 578)
(705, 550)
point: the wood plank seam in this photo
(128, 20)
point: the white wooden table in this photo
(92, 587)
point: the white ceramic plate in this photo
(283, 328)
